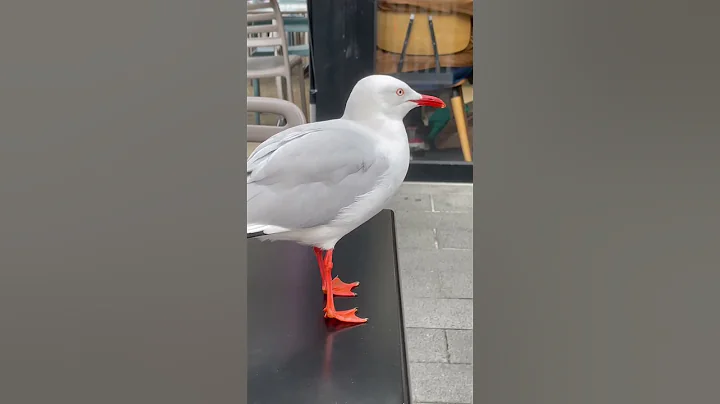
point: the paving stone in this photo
(453, 286)
(421, 238)
(438, 313)
(435, 188)
(455, 238)
(410, 202)
(441, 383)
(419, 260)
(436, 273)
(456, 281)
(426, 345)
(452, 202)
(460, 345)
(431, 279)
(433, 220)
(420, 283)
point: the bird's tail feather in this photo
(259, 230)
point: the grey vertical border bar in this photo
(242, 377)
(122, 256)
(478, 126)
(598, 205)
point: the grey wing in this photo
(306, 177)
(274, 142)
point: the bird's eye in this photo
(400, 92)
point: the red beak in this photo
(429, 101)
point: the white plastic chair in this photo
(271, 33)
(257, 134)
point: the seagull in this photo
(315, 183)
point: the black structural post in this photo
(342, 51)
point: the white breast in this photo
(398, 155)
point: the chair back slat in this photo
(259, 17)
(265, 26)
(292, 114)
(263, 29)
(264, 42)
(260, 5)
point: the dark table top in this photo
(295, 355)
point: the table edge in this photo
(403, 341)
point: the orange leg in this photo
(347, 316)
(339, 288)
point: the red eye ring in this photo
(400, 92)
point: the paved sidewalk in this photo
(434, 226)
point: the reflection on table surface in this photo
(295, 355)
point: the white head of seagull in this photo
(380, 96)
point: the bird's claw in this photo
(340, 288)
(347, 316)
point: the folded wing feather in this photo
(305, 176)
